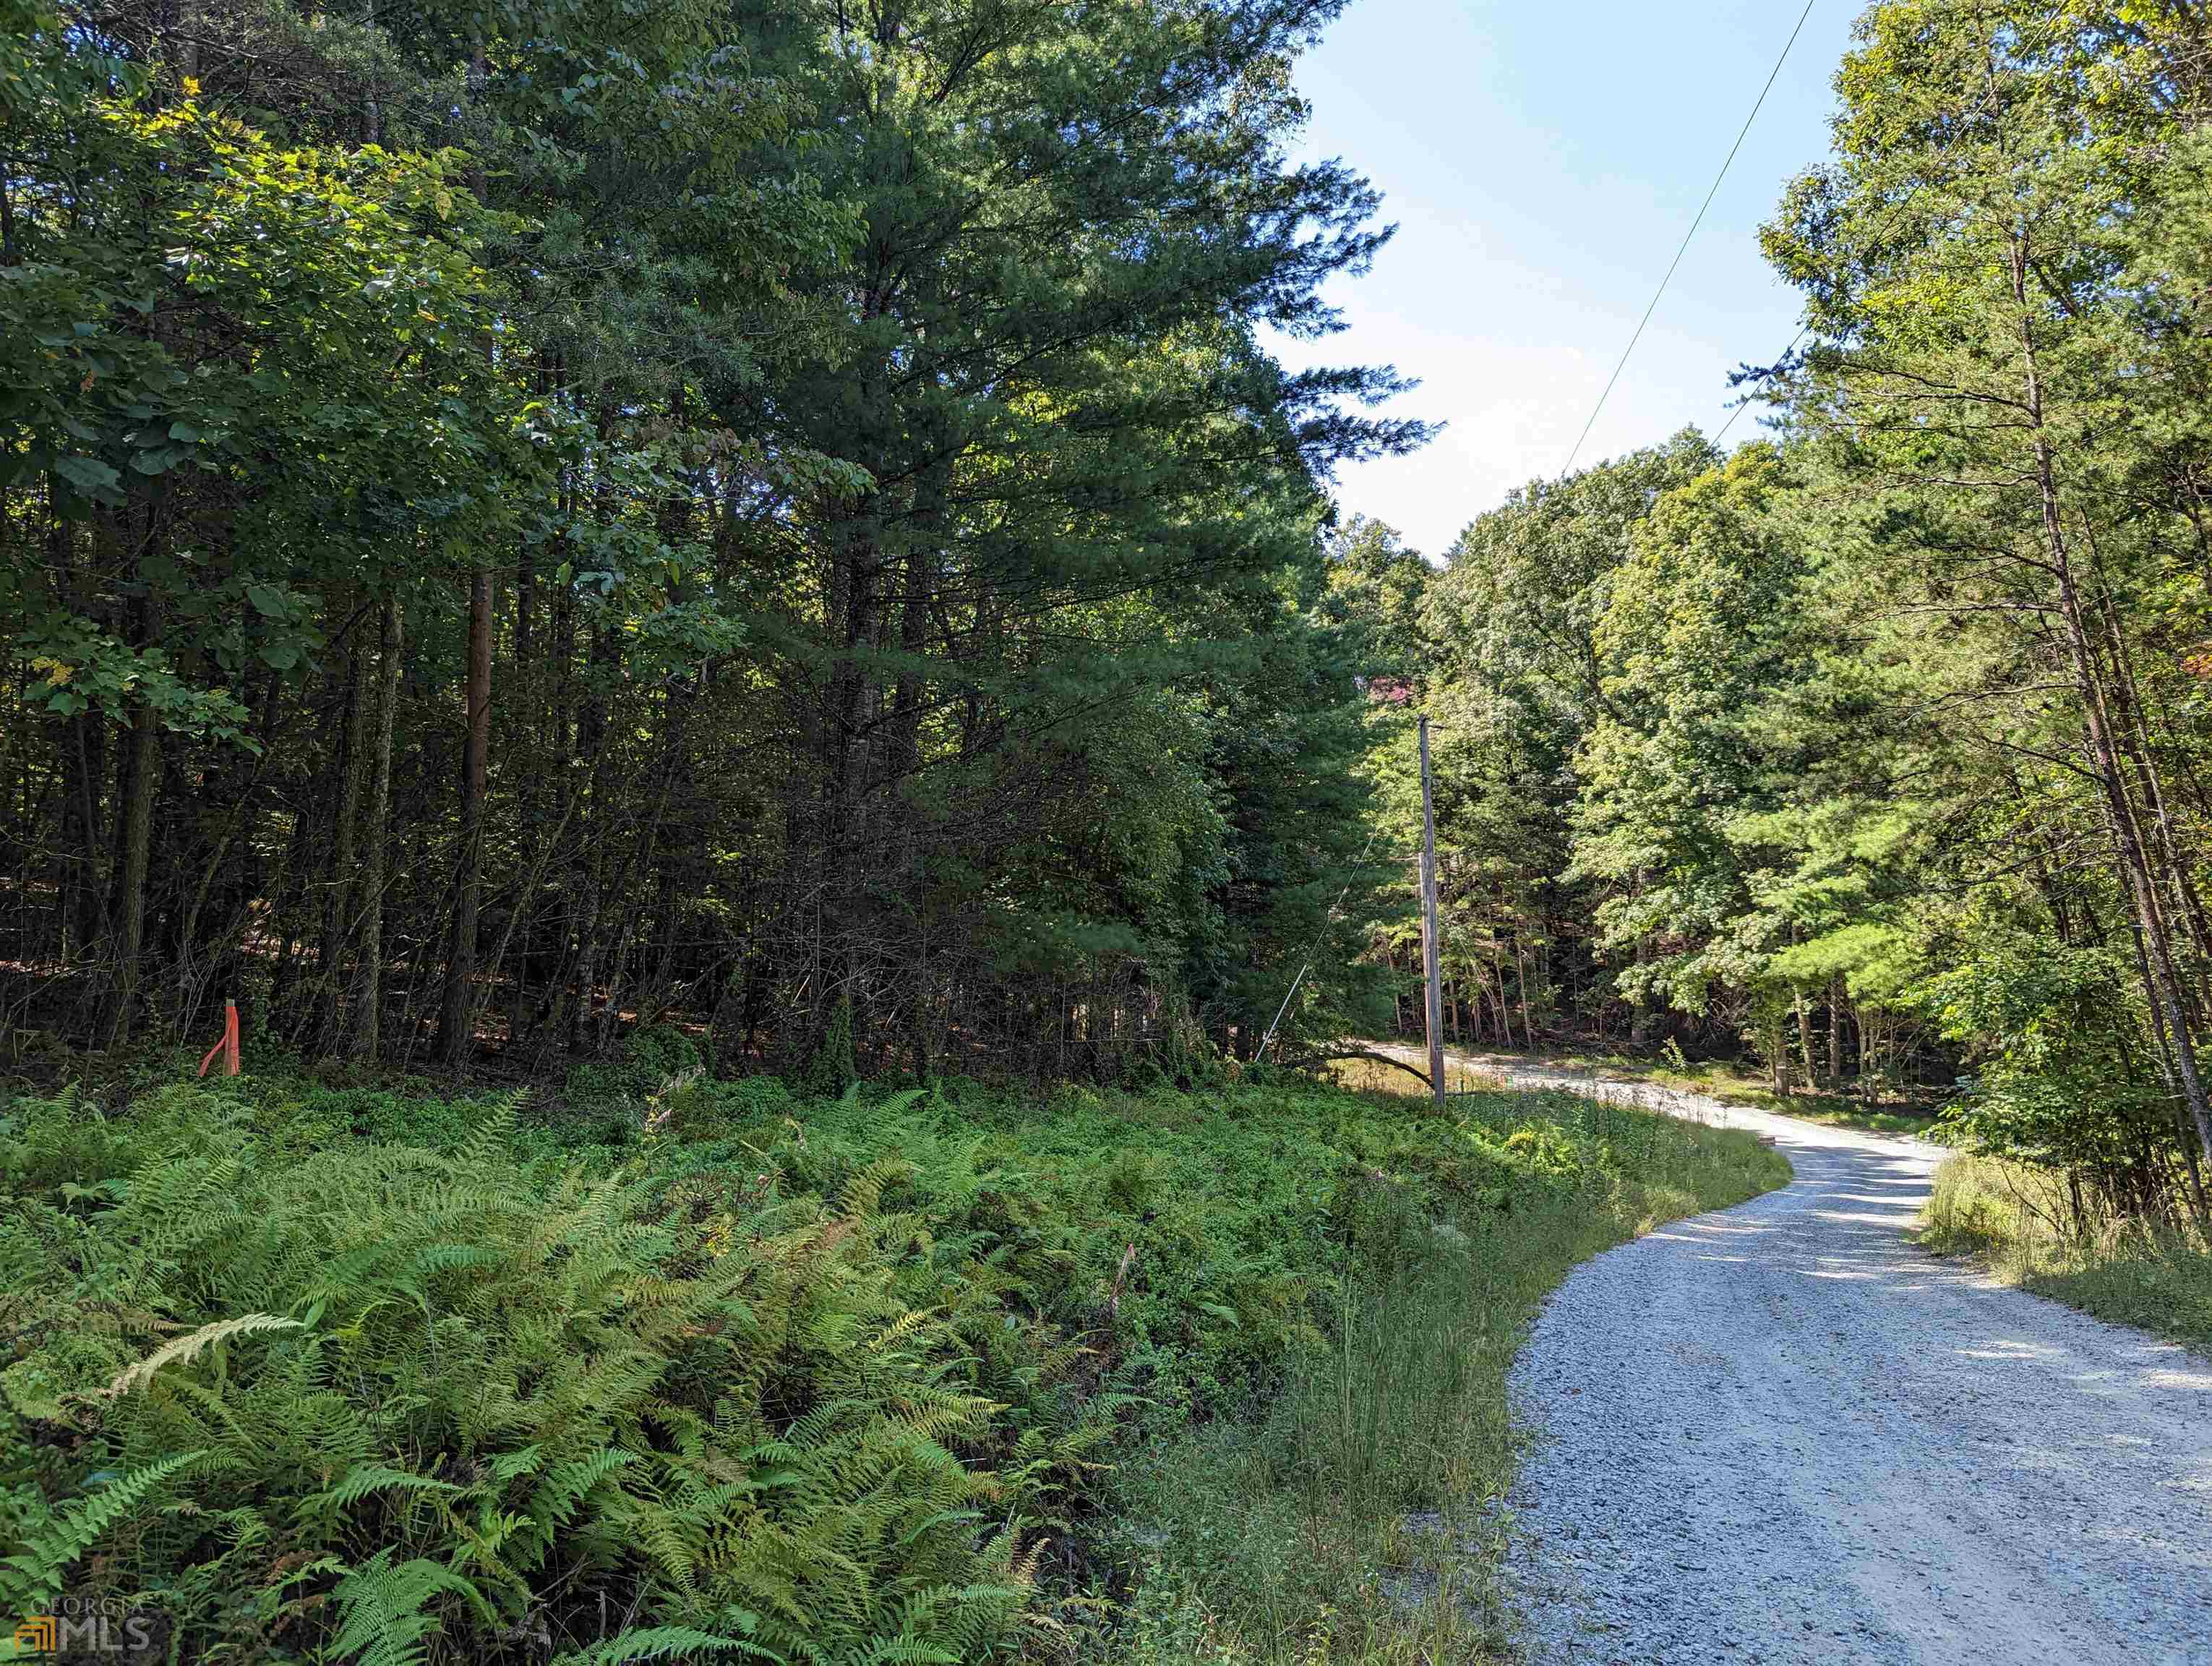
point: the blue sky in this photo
(1542, 161)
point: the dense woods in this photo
(521, 520)
(1879, 747)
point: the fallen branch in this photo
(1312, 1059)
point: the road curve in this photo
(1782, 1433)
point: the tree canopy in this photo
(521, 520)
(1878, 747)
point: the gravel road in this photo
(1782, 1433)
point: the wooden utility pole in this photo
(1431, 943)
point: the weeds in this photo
(2032, 1232)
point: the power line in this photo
(1888, 224)
(1771, 76)
(1306, 965)
(1753, 399)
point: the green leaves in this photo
(381, 1609)
(80, 668)
(665, 1643)
(92, 478)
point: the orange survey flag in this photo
(228, 1045)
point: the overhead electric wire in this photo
(1306, 965)
(1773, 76)
(1753, 399)
(1782, 359)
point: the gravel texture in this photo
(1782, 1433)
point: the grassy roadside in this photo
(2019, 1221)
(1287, 1537)
(1370, 1075)
(1734, 1086)
(665, 1366)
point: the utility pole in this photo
(1431, 943)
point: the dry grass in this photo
(2019, 1220)
(1373, 1076)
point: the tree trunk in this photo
(367, 1018)
(590, 747)
(137, 848)
(1835, 1008)
(1805, 1035)
(457, 1017)
(2167, 987)
(338, 897)
(84, 768)
(143, 758)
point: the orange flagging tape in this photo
(228, 1045)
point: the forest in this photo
(1876, 748)
(522, 520)
(721, 623)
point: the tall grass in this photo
(2024, 1222)
(1371, 1075)
(1358, 1520)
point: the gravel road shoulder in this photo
(1782, 1433)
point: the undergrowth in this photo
(666, 1367)
(2025, 1224)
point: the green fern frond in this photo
(34, 1574)
(454, 1257)
(508, 1465)
(864, 1192)
(906, 1651)
(664, 1642)
(365, 1478)
(487, 1142)
(554, 1502)
(380, 1607)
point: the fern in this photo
(487, 1142)
(34, 1573)
(816, 1402)
(906, 1651)
(185, 1348)
(380, 1607)
(510, 1466)
(664, 1642)
(864, 1192)
(898, 1102)
(366, 1478)
(554, 1503)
